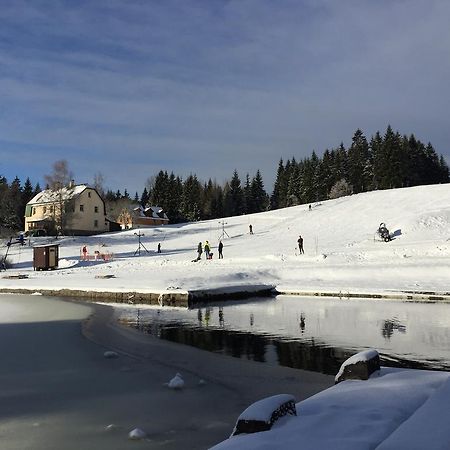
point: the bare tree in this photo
(99, 181)
(61, 175)
(59, 181)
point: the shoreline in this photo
(190, 298)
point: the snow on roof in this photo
(51, 196)
(155, 212)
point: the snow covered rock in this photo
(176, 382)
(359, 366)
(261, 415)
(137, 434)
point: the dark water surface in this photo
(308, 333)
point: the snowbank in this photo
(395, 408)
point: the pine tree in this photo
(172, 203)
(37, 189)
(294, 187)
(258, 195)
(234, 197)
(444, 170)
(357, 160)
(192, 190)
(275, 199)
(249, 206)
(18, 208)
(144, 198)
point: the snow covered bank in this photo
(394, 409)
(342, 251)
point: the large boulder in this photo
(359, 366)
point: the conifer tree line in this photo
(386, 161)
(13, 198)
(192, 200)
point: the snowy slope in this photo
(342, 251)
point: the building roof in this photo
(154, 212)
(52, 196)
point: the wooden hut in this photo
(45, 257)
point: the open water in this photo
(308, 333)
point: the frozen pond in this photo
(310, 333)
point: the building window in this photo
(96, 223)
(51, 209)
(89, 194)
(96, 209)
(81, 208)
(34, 211)
(45, 209)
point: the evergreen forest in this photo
(385, 161)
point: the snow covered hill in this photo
(342, 249)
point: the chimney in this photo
(72, 184)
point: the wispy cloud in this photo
(206, 87)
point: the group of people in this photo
(206, 247)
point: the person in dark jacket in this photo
(300, 244)
(199, 251)
(220, 248)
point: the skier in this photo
(300, 244)
(207, 249)
(220, 248)
(84, 253)
(250, 229)
(159, 247)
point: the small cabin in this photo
(46, 257)
(140, 217)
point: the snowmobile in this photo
(383, 232)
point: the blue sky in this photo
(127, 88)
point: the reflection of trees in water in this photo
(300, 355)
(389, 326)
(305, 354)
(239, 345)
(310, 356)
